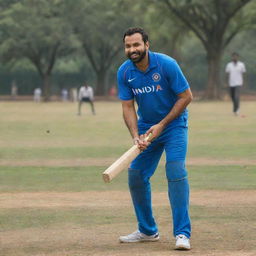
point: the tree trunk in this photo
(46, 87)
(213, 81)
(101, 82)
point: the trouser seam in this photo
(178, 179)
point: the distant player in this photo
(235, 71)
(162, 93)
(37, 94)
(85, 95)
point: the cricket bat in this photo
(122, 162)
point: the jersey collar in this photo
(152, 62)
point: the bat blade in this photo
(122, 162)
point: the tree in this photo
(99, 28)
(161, 36)
(215, 23)
(34, 29)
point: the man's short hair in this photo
(235, 54)
(134, 30)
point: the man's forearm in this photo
(177, 109)
(227, 78)
(130, 119)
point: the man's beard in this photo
(141, 56)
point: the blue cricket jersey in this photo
(154, 90)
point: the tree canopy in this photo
(215, 23)
(84, 38)
(34, 29)
(100, 37)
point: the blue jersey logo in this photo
(156, 77)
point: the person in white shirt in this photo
(85, 95)
(37, 94)
(235, 71)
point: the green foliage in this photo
(35, 30)
(100, 37)
(193, 62)
(210, 19)
(72, 41)
(215, 23)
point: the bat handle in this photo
(148, 137)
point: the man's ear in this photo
(147, 44)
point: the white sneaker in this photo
(137, 236)
(182, 242)
(237, 113)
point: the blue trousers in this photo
(174, 142)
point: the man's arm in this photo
(226, 79)
(184, 99)
(227, 70)
(130, 118)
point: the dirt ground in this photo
(109, 160)
(210, 237)
(117, 198)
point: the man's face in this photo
(235, 57)
(135, 48)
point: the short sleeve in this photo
(227, 68)
(124, 91)
(175, 77)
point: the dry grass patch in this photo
(120, 199)
(221, 220)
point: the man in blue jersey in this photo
(162, 94)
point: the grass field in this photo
(53, 201)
